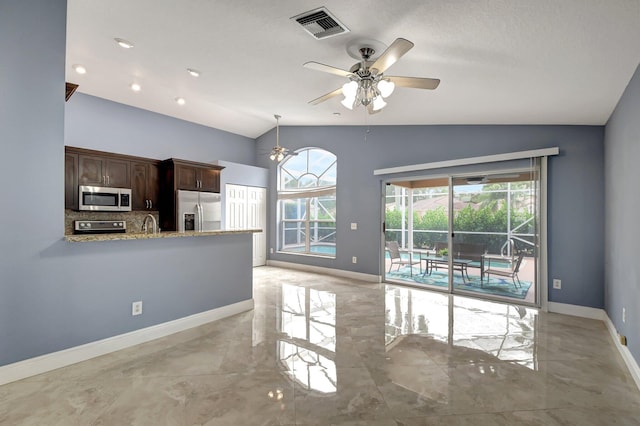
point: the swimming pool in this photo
(329, 250)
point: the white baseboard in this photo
(600, 314)
(632, 364)
(577, 311)
(326, 271)
(41, 364)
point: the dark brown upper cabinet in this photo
(69, 90)
(195, 176)
(98, 168)
(104, 171)
(70, 180)
(144, 185)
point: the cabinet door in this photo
(145, 186)
(139, 186)
(91, 170)
(186, 177)
(118, 173)
(153, 186)
(70, 181)
(210, 180)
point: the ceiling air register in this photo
(320, 23)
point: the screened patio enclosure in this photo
(466, 234)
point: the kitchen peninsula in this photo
(141, 236)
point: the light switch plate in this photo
(354, 226)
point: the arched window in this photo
(307, 203)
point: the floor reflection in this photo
(479, 331)
(308, 318)
(504, 331)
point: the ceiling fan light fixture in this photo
(348, 102)
(350, 89)
(476, 180)
(378, 103)
(386, 87)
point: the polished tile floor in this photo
(321, 350)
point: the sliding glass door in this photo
(477, 235)
(495, 235)
(416, 218)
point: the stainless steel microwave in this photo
(104, 199)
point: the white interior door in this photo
(256, 219)
(245, 207)
(235, 207)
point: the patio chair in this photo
(512, 272)
(394, 253)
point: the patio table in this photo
(433, 261)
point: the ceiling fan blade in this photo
(327, 68)
(389, 57)
(327, 96)
(415, 82)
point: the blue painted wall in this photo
(622, 201)
(575, 202)
(100, 124)
(49, 297)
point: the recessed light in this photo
(123, 43)
(194, 73)
(80, 69)
(135, 87)
(180, 101)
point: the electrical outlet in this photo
(624, 314)
(136, 308)
(557, 284)
(354, 226)
(271, 250)
(354, 259)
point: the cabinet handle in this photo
(146, 203)
(150, 204)
(104, 180)
(108, 180)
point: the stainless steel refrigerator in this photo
(198, 211)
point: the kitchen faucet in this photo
(153, 221)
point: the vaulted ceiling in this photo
(499, 61)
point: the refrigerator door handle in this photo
(197, 221)
(200, 219)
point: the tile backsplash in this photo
(134, 219)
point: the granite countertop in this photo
(135, 236)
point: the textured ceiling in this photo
(500, 61)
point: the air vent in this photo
(320, 23)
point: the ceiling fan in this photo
(279, 152)
(367, 85)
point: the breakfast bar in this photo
(140, 236)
